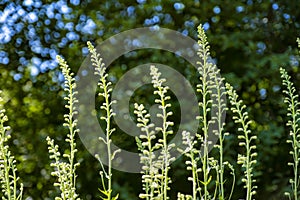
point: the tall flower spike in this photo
(8, 170)
(247, 140)
(105, 91)
(219, 107)
(147, 156)
(66, 171)
(206, 71)
(291, 100)
(193, 155)
(165, 129)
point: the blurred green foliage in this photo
(250, 40)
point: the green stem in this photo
(221, 138)
(108, 132)
(7, 167)
(194, 177)
(205, 129)
(295, 149)
(72, 170)
(248, 164)
(165, 145)
(148, 186)
(221, 174)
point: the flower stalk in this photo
(65, 171)
(247, 140)
(105, 91)
(291, 100)
(8, 169)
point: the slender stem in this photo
(204, 52)
(15, 182)
(221, 135)
(108, 133)
(248, 160)
(294, 145)
(194, 170)
(221, 174)
(293, 112)
(205, 129)
(7, 167)
(71, 132)
(165, 145)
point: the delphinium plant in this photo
(11, 189)
(247, 140)
(105, 92)
(291, 99)
(156, 169)
(65, 170)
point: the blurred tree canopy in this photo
(250, 40)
